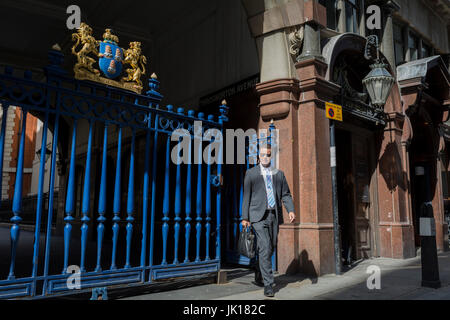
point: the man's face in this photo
(265, 155)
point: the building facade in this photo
(379, 185)
(280, 61)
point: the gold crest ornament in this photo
(135, 59)
(89, 46)
(111, 60)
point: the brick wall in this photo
(11, 151)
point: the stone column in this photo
(341, 23)
(278, 96)
(395, 225)
(314, 174)
(273, 48)
(279, 99)
(387, 45)
(279, 102)
(362, 21)
(395, 221)
(311, 45)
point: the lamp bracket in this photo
(372, 49)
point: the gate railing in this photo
(123, 142)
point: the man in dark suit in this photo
(265, 188)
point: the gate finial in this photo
(56, 47)
(153, 85)
(223, 112)
(56, 58)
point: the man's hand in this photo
(245, 224)
(291, 217)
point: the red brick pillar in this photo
(395, 225)
(316, 214)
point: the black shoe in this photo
(258, 283)
(268, 291)
(258, 276)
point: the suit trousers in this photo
(265, 231)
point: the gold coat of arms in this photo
(112, 60)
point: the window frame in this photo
(331, 7)
(416, 37)
(399, 41)
(355, 8)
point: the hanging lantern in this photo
(379, 81)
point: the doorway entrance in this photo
(356, 201)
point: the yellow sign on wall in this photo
(333, 111)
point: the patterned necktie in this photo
(270, 197)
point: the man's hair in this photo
(265, 145)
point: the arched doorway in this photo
(357, 148)
(371, 166)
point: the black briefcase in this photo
(246, 244)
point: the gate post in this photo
(223, 109)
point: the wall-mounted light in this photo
(379, 81)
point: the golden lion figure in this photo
(89, 45)
(137, 62)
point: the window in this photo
(398, 44)
(351, 15)
(330, 5)
(426, 51)
(413, 45)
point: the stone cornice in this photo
(395, 121)
(277, 85)
(277, 97)
(313, 85)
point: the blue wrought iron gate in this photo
(129, 214)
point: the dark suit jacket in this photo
(254, 202)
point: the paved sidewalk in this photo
(400, 279)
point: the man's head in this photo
(265, 155)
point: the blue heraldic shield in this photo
(111, 57)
